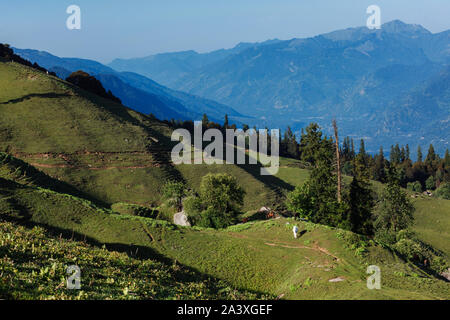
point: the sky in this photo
(136, 28)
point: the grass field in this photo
(33, 266)
(258, 256)
(94, 153)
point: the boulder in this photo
(181, 219)
(446, 274)
(264, 210)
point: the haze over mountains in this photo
(373, 82)
(387, 86)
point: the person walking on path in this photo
(295, 231)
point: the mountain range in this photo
(366, 79)
(387, 86)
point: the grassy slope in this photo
(33, 266)
(33, 261)
(432, 222)
(110, 152)
(259, 256)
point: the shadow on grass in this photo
(181, 273)
(37, 95)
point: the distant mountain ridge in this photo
(355, 75)
(165, 67)
(135, 91)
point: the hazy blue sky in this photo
(135, 28)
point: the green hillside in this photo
(33, 266)
(75, 155)
(110, 152)
(258, 256)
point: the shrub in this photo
(192, 206)
(414, 186)
(212, 218)
(218, 203)
(385, 237)
(410, 249)
(134, 210)
(438, 264)
(430, 183)
(443, 191)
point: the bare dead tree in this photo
(338, 160)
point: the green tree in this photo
(317, 199)
(430, 183)
(289, 145)
(419, 154)
(395, 212)
(175, 191)
(205, 121)
(361, 201)
(395, 156)
(219, 201)
(380, 165)
(431, 156)
(310, 142)
(301, 201)
(226, 123)
(443, 191)
(414, 186)
(447, 158)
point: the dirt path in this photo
(41, 165)
(282, 244)
(315, 248)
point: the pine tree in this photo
(447, 158)
(419, 154)
(352, 149)
(310, 142)
(402, 155)
(431, 156)
(361, 201)
(362, 148)
(316, 199)
(205, 121)
(395, 156)
(226, 123)
(379, 170)
(408, 155)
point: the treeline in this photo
(206, 124)
(425, 173)
(386, 216)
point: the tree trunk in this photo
(338, 161)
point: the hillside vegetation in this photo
(73, 158)
(110, 152)
(256, 256)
